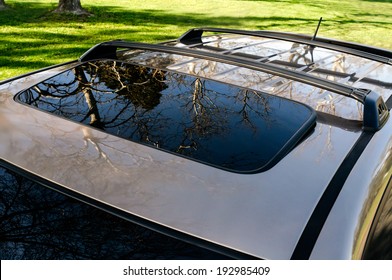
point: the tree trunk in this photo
(70, 6)
(2, 5)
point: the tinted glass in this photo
(38, 223)
(222, 125)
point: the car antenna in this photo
(318, 26)
(314, 38)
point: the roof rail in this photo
(371, 100)
(194, 36)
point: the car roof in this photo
(259, 214)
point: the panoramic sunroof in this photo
(222, 125)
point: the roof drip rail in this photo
(372, 101)
(376, 54)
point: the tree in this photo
(70, 6)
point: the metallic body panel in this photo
(346, 230)
(258, 214)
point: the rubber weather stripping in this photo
(194, 36)
(373, 118)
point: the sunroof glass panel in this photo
(222, 125)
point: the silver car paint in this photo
(347, 227)
(260, 214)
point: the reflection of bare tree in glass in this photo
(93, 113)
(262, 101)
(37, 223)
(100, 83)
(207, 118)
(297, 54)
(210, 117)
(141, 85)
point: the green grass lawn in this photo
(31, 37)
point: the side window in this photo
(379, 245)
(39, 223)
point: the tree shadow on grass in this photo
(292, 2)
(39, 13)
(40, 39)
(385, 1)
(20, 13)
(33, 37)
